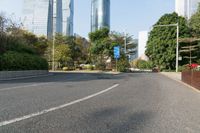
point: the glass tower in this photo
(44, 17)
(100, 14)
(35, 15)
(68, 17)
(186, 8)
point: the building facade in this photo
(68, 17)
(35, 15)
(186, 8)
(44, 17)
(100, 14)
(142, 43)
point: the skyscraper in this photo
(35, 14)
(100, 14)
(68, 17)
(186, 8)
(43, 17)
(50, 20)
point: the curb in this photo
(28, 77)
(194, 89)
(100, 72)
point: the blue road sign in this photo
(117, 52)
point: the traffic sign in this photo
(117, 52)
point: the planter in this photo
(192, 78)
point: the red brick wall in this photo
(192, 78)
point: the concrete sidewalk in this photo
(177, 77)
(173, 75)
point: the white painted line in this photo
(4, 123)
(25, 86)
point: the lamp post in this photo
(177, 40)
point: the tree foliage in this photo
(19, 49)
(161, 46)
(62, 54)
(103, 43)
(194, 23)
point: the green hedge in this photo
(12, 61)
(17, 44)
(142, 64)
(123, 64)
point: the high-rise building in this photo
(142, 43)
(68, 17)
(50, 20)
(100, 14)
(186, 8)
(43, 17)
(35, 15)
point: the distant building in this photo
(35, 15)
(142, 43)
(100, 14)
(134, 55)
(40, 16)
(68, 17)
(186, 8)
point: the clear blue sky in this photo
(132, 15)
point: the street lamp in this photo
(177, 41)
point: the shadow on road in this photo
(117, 120)
(74, 77)
(67, 77)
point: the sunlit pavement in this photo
(98, 103)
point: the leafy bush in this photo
(88, 67)
(65, 68)
(123, 64)
(22, 61)
(100, 66)
(142, 64)
(10, 43)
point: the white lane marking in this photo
(4, 123)
(25, 86)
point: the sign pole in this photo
(116, 64)
(116, 54)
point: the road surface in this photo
(98, 103)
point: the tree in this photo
(62, 54)
(194, 23)
(118, 39)
(99, 45)
(83, 46)
(103, 43)
(161, 45)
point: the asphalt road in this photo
(98, 103)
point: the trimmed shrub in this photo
(10, 43)
(142, 64)
(11, 61)
(100, 66)
(123, 64)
